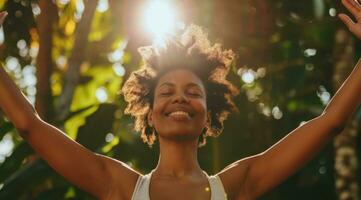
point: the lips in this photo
(180, 114)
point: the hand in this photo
(355, 9)
(2, 17)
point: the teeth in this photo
(179, 113)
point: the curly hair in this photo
(191, 50)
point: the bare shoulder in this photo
(123, 178)
(234, 177)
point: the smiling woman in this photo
(178, 97)
(191, 51)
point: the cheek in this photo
(201, 109)
(158, 108)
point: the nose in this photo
(180, 98)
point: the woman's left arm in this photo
(280, 161)
(260, 173)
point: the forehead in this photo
(181, 77)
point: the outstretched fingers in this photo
(347, 20)
(354, 26)
(354, 8)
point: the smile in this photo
(180, 115)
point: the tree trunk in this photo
(44, 63)
(72, 75)
(345, 143)
(106, 44)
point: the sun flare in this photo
(160, 18)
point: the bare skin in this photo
(178, 174)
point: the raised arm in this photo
(251, 177)
(99, 175)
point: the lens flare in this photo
(160, 18)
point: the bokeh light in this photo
(103, 5)
(310, 52)
(332, 12)
(324, 95)
(101, 94)
(118, 69)
(6, 147)
(248, 77)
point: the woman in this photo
(179, 97)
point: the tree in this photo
(83, 52)
(346, 161)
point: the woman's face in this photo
(179, 110)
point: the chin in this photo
(180, 135)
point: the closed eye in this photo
(165, 93)
(195, 94)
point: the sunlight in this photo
(79, 9)
(12, 63)
(332, 12)
(2, 38)
(103, 6)
(160, 18)
(248, 76)
(101, 94)
(324, 96)
(310, 52)
(277, 113)
(6, 147)
(118, 69)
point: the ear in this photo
(150, 118)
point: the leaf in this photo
(25, 180)
(73, 123)
(13, 162)
(5, 128)
(96, 127)
(75, 113)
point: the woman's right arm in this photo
(94, 173)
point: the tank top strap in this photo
(141, 190)
(217, 189)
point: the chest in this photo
(161, 190)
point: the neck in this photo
(177, 159)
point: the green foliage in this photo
(288, 50)
(5, 128)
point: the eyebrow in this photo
(166, 84)
(192, 84)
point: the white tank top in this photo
(141, 190)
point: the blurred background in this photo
(71, 57)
